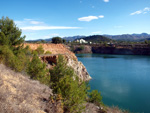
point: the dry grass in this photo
(19, 94)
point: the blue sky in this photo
(41, 19)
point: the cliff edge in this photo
(57, 49)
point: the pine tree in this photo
(37, 70)
(66, 82)
(10, 34)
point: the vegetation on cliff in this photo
(62, 78)
(97, 39)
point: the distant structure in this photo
(82, 41)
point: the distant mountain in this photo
(47, 40)
(69, 38)
(128, 37)
(72, 38)
(97, 38)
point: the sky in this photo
(42, 19)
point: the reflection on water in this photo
(96, 55)
(123, 80)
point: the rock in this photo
(78, 67)
(57, 49)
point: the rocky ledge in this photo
(78, 67)
(57, 49)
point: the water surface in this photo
(123, 80)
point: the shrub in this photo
(95, 97)
(66, 83)
(81, 48)
(48, 52)
(57, 40)
(37, 70)
(28, 50)
(16, 62)
(40, 50)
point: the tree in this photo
(64, 41)
(10, 34)
(57, 40)
(95, 97)
(66, 83)
(37, 70)
(40, 50)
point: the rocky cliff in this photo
(120, 50)
(72, 60)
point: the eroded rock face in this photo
(72, 60)
(78, 67)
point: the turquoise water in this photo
(123, 80)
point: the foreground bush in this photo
(40, 50)
(10, 35)
(37, 70)
(66, 83)
(95, 97)
(16, 62)
(48, 52)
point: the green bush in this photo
(28, 50)
(57, 40)
(16, 62)
(81, 48)
(65, 82)
(95, 97)
(40, 50)
(10, 35)
(48, 52)
(37, 70)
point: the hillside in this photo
(19, 94)
(97, 38)
(129, 37)
(72, 38)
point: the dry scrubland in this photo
(19, 94)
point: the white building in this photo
(82, 41)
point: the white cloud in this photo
(28, 22)
(33, 25)
(106, 0)
(101, 16)
(144, 11)
(36, 22)
(90, 18)
(47, 27)
(97, 32)
(137, 12)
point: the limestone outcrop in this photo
(78, 67)
(72, 60)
